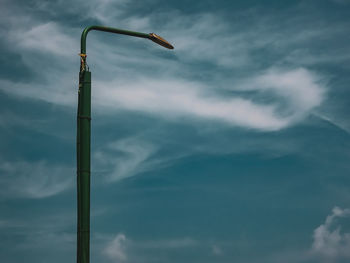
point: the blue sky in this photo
(234, 147)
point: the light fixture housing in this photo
(160, 41)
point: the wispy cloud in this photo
(23, 179)
(206, 37)
(46, 37)
(296, 92)
(124, 158)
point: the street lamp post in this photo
(83, 138)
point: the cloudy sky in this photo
(233, 147)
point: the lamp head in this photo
(160, 41)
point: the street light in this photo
(83, 138)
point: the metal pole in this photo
(84, 138)
(83, 166)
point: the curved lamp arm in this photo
(155, 38)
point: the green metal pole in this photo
(84, 138)
(83, 166)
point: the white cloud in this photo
(329, 243)
(298, 90)
(46, 37)
(124, 158)
(293, 94)
(27, 33)
(34, 179)
(116, 249)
